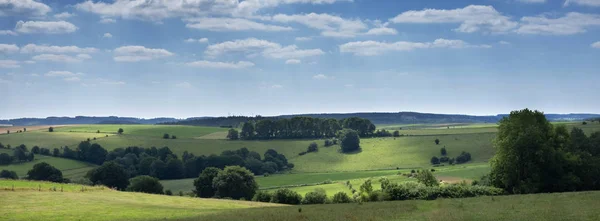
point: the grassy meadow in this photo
(97, 204)
(71, 169)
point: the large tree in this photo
(45, 171)
(204, 183)
(235, 182)
(349, 140)
(145, 184)
(111, 175)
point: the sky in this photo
(188, 58)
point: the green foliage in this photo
(463, 157)
(110, 174)
(233, 134)
(168, 192)
(262, 196)
(328, 143)
(434, 160)
(5, 159)
(437, 141)
(396, 133)
(235, 182)
(9, 175)
(166, 136)
(313, 147)
(145, 184)
(318, 196)
(286, 196)
(366, 187)
(45, 171)
(418, 191)
(443, 151)
(427, 178)
(350, 140)
(51, 129)
(35, 149)
(362, 126)
(341, 197)
(204, 183)
(120, 131)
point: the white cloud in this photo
(33, 48)
(23, 8)
(293, 61)
(7, 32)
(64, 74)
(504, 42)
(107, 20)
(232, 24)
(220, 65)
(382, 31)
(64, 15)
(571, 23)
(72, 79)
(45, 27)
(9, 64)
(109, 82)
(371, 48)
(596, 45)
(107, 35)
(6, 48)
(472, 18)
(532, 1)
(136, 53)
(329, 25)
(29, 62)
(157, 10)
(61, 58)
(199, 40)
(183, 85)
(303, 38)
(322, 77)
(594, 3)
(266, 48)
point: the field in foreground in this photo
(104, 204)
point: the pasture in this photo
(71, 169)
(104, 204)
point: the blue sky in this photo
(184, 58)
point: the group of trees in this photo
(166, 136)
(535, 156)
(462, 158)
(302, 127)
(20, 154)
(85, 151)
(46, 172)
(233, 182)
(6, 174)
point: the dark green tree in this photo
(5, 174)
(204, 183)
(145, 184)
(110, 174)
(233, 134)
(166, 136)
(175, 169)
(437, 141)
(396, 133)
(286, 196)
(313, 147)
(35, 149)
(350, 140)
(5, 159)
(120, 131)
(426, 177)
(235, 182)
(45, 171)
(434, 160)
(247, 131)
(158, 169)
(51, 129)
(443, 151)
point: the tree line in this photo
(302, 127)
(20, 154)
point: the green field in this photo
(27, 203)
(71, 169)
(156, 131)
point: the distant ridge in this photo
(374, 117)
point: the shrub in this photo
(328, 143)
(51, 129)
(463, 157)
(120, 131)
(233, 134)
(437, 141)
(341, 197)
(235, 182)
(312, 147)
(286, 196)
(443, 151)
(35, 149)
(262, 196)
(173, 137)
(376, 196)
(444, 159)
(166, 136)
(412, 171)
(434, 160)
(318, 196)
(5, 159)
(427, 178)
(366, 187)
(45, 171)
(145, 184)
(168, 192)
(396, 133)
(9, 175)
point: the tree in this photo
(24, 129)
(350, 141)
(5, 159)
(366, 187)
(341, 197)
(286, 196)
(45, 171)
(158, 169)
(443, 151)
(313, 147)
(98, 131)
(426, 177)
(233, 134)
(204, 183)
(463, 157)
(437, 141)
(247, 131)
(55, 152)
(396, 133)
(318, 196)
(110, 174)
(525, 158)
(51, 129)
(235, 182)
(9, 175)
(435, 160)
(166, 136)
(175, 169)
(35, 149)
(145, 184)
(20, 153)
(173, 137)
(145, 165)
(120, 131)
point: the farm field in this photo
(105, 204)
(156, 131)
(71, 169)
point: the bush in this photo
(235, 182)
(312, 147)
(443, 151)
(426, 177)
(328, 143)
(9, 175)
(286, 196)
(35, 149)
(173, 137)
(166, 136)
(318, 196)
(444, 159)
(396, 133)
(366, 187)
(168, 192)
(262, 196)
(412, 171)
(434, 160)
(341, 197)
(437, 141)
(110, 174)
(5, 159)
(350, 141)
(463, 157)
(233, 134)
(145, 184)
(51, 129)
(204, 183)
